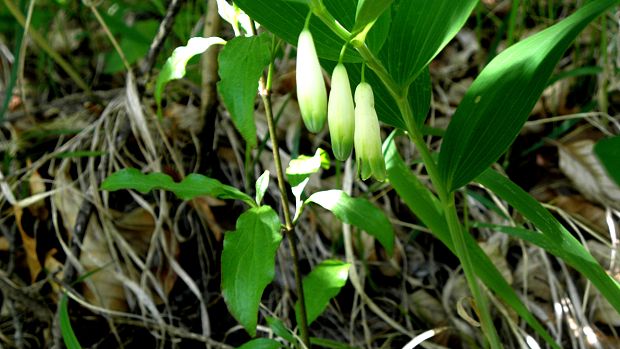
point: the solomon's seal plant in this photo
(311, 93)
(340, 114)
(368, 153)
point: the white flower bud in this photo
(340, 114)
(368, 154)
(311, 93)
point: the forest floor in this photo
(147, 270)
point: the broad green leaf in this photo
(358, 212)
(286, 19)
(329, 343)
(261, 343)
(368, 11)
(608, 152)
(280, 329)
(192, 186)
(425, 205)
(261, 186)
(498, 103)
(248, 262)
(420, 29)
(174, 68)
(559, 241)
(68, 336)
(321, 285)
(241, 64)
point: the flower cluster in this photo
(341, 113)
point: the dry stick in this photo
(265, 93)
(164, 30)
(208, 97)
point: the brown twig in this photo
(164, 30)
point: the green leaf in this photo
(608, 152)
(558, 240)
(321, 285)
(261, 343)
(248, 262)
(241, 64)
(498, 103)
(425, 205)
(261, 186)
(368, 11)
(279, 329)
(358, 212)
(66, 330)
(420, 29)
(192, 186)
(174, 68)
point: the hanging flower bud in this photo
(340, 114)
(311, 93)
(368, 153)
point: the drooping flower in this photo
(368, 154)
(311, 92)
(340, 114)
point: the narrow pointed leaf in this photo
(427, 208)
(248, 262)
(241, 64)
(559, 241)
(368, 11)
(262, 183)
(499, 101)
(321, 285)
(192, 186)
(420, 29)
(358, 212)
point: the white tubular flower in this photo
(311, 92)
(368, 153)
(340, 114)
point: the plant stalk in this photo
(265, 93)
(454, 225)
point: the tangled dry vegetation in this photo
(143, 270)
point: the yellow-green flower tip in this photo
(368, 154)
(341, 114)
(311, 92)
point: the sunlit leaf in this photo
(425, 205)
(358, 212)
(241, 63)
(559, 241)
(192, 186)
(299, 171)
(248, 262)
(261, 186)
(368, 11)
(608, 152)
(321, 285)
(174, 68)
(499, 101)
